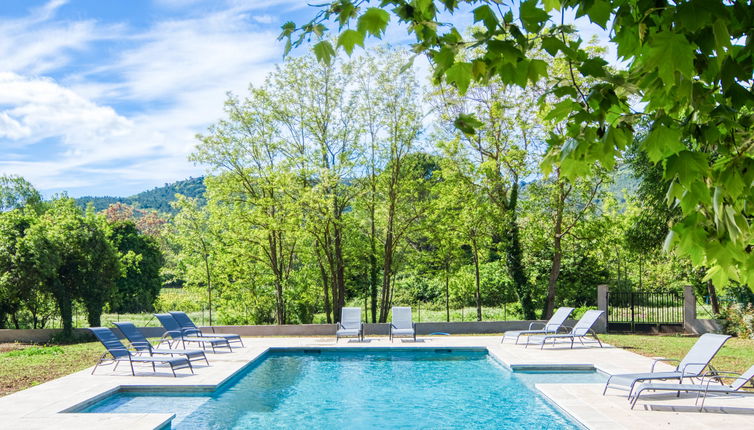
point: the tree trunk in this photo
(557, 254)
(65, 306)
(515, 256)
(93, 315)
(325, 287)
(386, 278)
(275, 257)
(478, 293)
(339, 264)
(209, 286)
(447, 291)
(373, 265)
(713, 298)
(387, 266)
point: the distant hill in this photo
(157, 198)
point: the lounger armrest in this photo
(191, 331)
(661, 359)
(137, 344)
(716, 375)
(531, 325)
(683, 371)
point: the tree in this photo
(688, 61)
(16, 193)
(19, 275)
(502, 146)
(198, 243)
(318, 124)
(76, 259)
(141, 261)
(463, 212)
(565, 205)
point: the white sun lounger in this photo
(403, 324)
(554, 324)
(703, 389)
(350, 324)
(692, 365)
(581, 330)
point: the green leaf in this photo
(670, 52)
(350, 38)
(662, 142)
(347, 11)
(562, 110)
(467, 123)
(532, 17)
(485, 14)
(552, 45)
(460, 75)
(551, 4)
(443, 58)
(593, 67)
(324, 52)
(617, 137)
(722, 37)
(687, 166)
(373, 21)
(537, 69)
(599, 12)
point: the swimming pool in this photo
(364, 388)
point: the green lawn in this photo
(737, 355)
(23, 366)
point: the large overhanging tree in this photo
(688, 64)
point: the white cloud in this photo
(133, 117)
(39, 108)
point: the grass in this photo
(23, 366)
(737, 354)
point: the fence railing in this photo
(632, 307)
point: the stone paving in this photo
(40, 407)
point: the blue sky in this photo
(101, 97)
(105, 97)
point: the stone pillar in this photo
(689, 310)
(601, 325)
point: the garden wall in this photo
(475, 327)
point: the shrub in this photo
(738, 320)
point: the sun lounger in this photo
(173, 331)
(553, 325)
(692, 365)
(579, 332)
(141, 344)
(190, 329)
(350, 324)
(403, 324)
(709, 386)
(120, 353)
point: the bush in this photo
(738, 320)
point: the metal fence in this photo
(632, 310)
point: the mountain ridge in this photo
(157, 198)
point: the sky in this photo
(105, 97)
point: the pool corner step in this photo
(565, 367)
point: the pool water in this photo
(364, 389)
